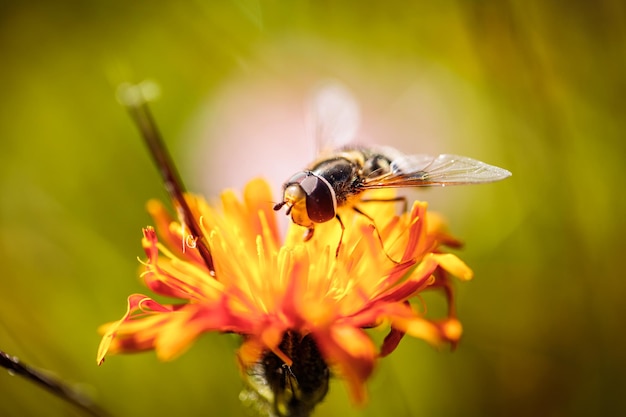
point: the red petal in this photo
(351, 352)
(136, 302)
(391, 342)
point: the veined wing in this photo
(442, 170)
(334, 117)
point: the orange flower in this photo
(299, 308)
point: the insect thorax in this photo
(342, 174)
(347, 170)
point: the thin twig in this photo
(133, 98)
(52, 384)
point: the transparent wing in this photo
(334, 117)
(442, 170)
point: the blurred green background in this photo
(537, 88)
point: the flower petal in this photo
(454, 265)
(434, 332)
(136, 302)
(391, 342)
(351, 353)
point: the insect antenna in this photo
(52, 384)
(134, 99)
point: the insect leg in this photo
(380, 238)
(343, 229)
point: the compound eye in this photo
(321, 204)
(297, 178)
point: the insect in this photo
(340, 177)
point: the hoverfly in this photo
(340, 177)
